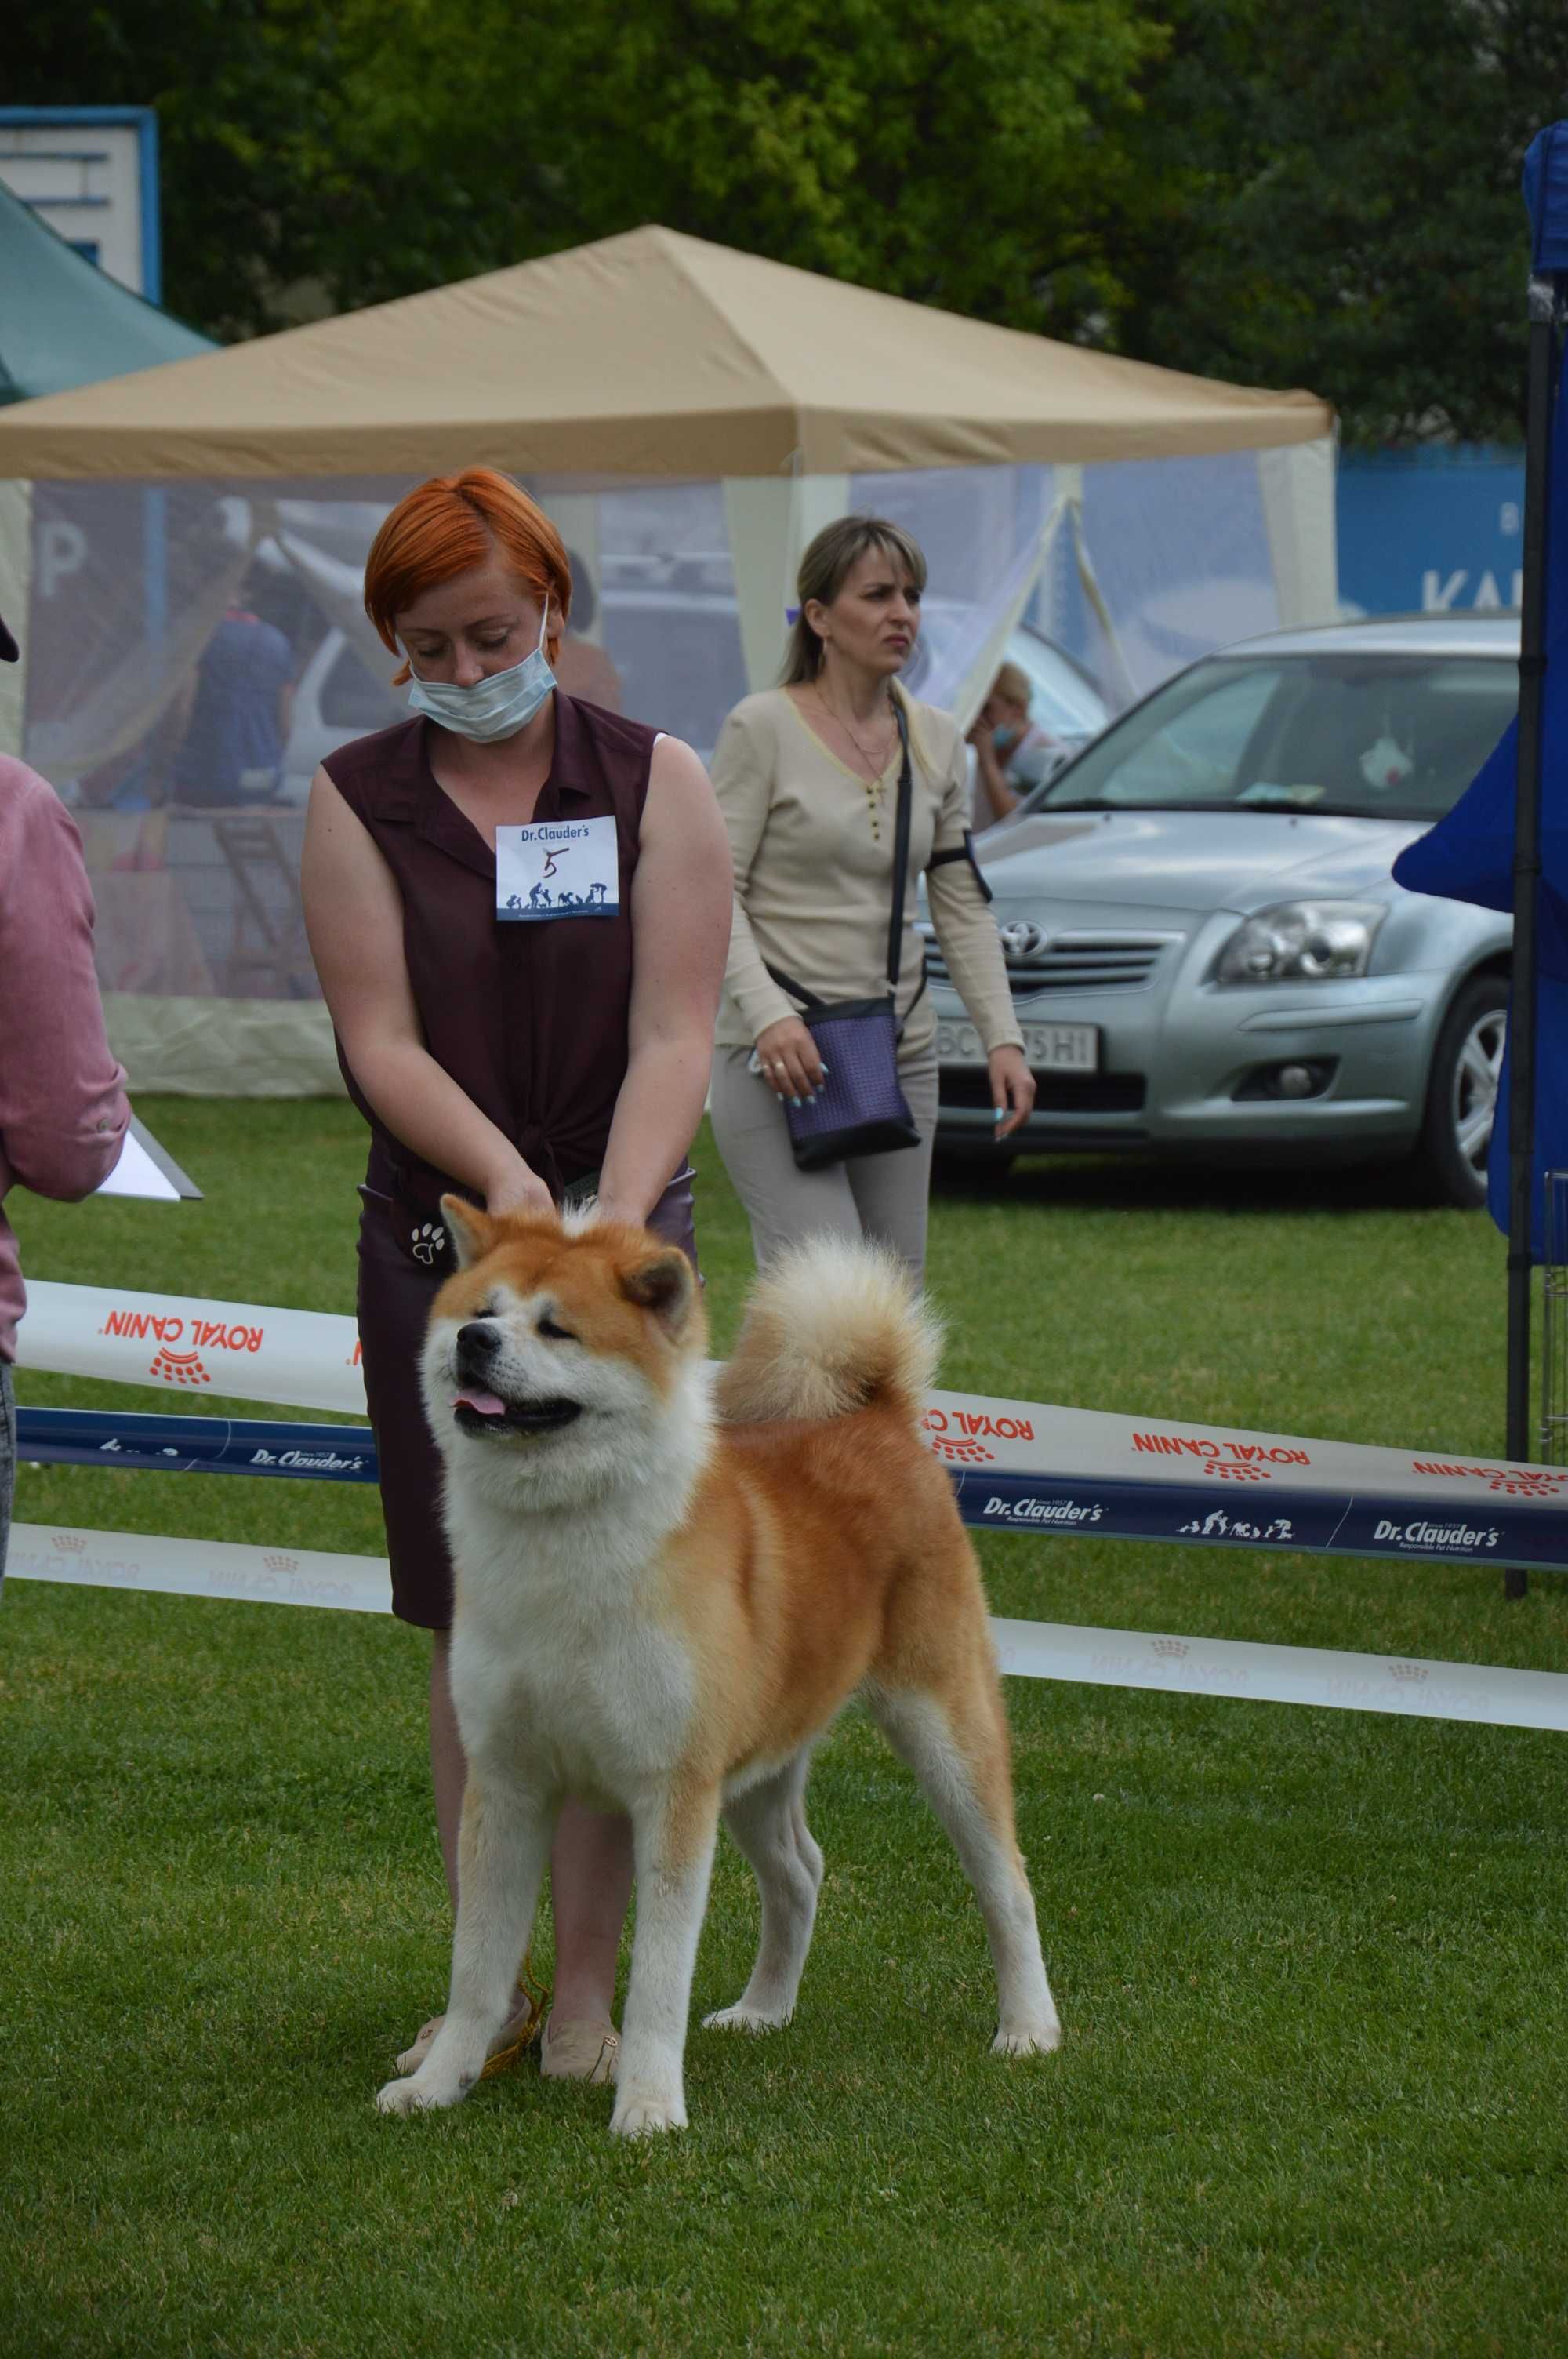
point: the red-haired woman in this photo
(519, 908)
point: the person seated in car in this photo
(1013, 753)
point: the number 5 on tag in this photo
(556, 868)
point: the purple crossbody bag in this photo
(859, 1108)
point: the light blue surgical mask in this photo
(497, 706)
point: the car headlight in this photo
(1302, 942)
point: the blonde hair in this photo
(1013, 683)
(824, 570)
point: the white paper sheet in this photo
(145, 1170)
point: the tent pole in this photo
(1542, 307)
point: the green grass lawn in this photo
(1310, 1963)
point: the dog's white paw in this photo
(416, 2095)
(743, 2019)
(645, 2116)
(1027, 2040)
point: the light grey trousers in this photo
(882, 1197)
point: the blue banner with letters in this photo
(1430, 530)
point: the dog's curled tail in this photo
(834, 1326)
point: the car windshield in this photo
(1369, 736)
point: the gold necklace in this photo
(868, 758)
(874, 787)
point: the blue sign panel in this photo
(1430, 530)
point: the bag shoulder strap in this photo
(808, 999)
(900, 843)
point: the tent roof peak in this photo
(648, 353)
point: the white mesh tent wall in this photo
(690, 417)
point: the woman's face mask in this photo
(496, 707)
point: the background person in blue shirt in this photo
(232, 752)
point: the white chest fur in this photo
(566, 1667)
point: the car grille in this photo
(1074, 962)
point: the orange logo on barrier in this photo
(972, 1423)
(963, 1453)
(179, 1368)
(1516, 1482)
(1203, 1445)
(168, 1327)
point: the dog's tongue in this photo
(485, 1404)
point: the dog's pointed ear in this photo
(472, 1233)
(665, 1284)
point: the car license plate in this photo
(1049, 1047)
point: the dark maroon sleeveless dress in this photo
(530, 1020)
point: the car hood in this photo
(1198, 861)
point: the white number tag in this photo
(556, 868)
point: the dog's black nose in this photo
(479, 1339)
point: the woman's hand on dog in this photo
(514, 1187)
(788, 1055)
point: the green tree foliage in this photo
(1333, 200)
(938, 150)
(248, 93)
(1325, 195)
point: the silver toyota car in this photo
(1206, 949)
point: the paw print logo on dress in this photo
(178, 1367)
(429, 1240)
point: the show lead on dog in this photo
(810, 775)
(519, 908)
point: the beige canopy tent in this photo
(651, 354)
(776, 398)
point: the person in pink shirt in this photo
(63, 1111)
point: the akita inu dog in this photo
(666, 1587)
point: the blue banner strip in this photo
(1517, 1531)
(1317, 1523)
(196, 1445)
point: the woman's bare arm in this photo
(353, 916)
(682, 898)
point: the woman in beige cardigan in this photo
(806, 776)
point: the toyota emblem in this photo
(1024, 939)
